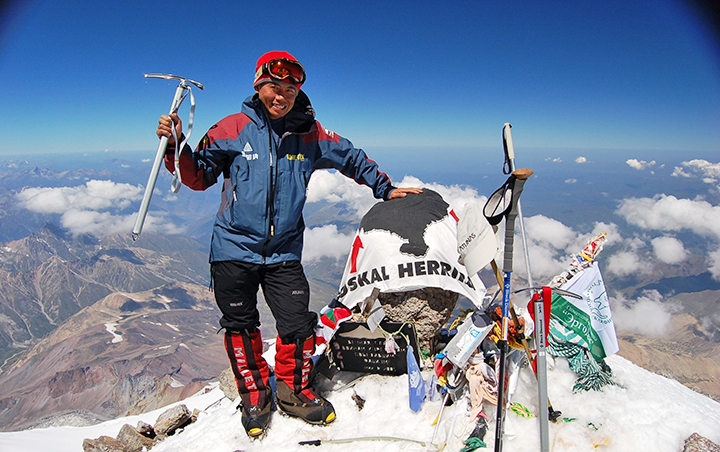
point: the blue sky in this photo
(641, 75)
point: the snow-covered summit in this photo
(644, 411)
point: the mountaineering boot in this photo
(256, 419)
(251, 374)
(294, 396)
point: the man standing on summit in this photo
(266, 154)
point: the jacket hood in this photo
(299, 120)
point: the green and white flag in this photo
(590, 318)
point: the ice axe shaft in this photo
(180, 93)
(319, 442)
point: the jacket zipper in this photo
(271, 196)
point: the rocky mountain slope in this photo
(689, 354)
(125, 354)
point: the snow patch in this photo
(165, 301)
(117, 337)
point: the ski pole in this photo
(515, 183)
(540, 346)
(180, 93)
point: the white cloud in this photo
(668, 213)
(326, 241)
(669, 249)
(542, 229)
(627, 263)
(647, 315)
(640, 164)
(714, 266)
(97, 223)
(545, 263)
(331, 186)
(91, 208)
(551, 245)
(94, 195)
(679, 172)
(455, 195)
(581, 159)
(707, 171)
(570, 181)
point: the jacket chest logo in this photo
(249, 153)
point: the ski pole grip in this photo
(313, 442)
(521, 175)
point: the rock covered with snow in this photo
(171, 420)
(133, 440)
(697, 443)
(145, 436)
(103, 444)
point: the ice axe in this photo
(180, 93)
(553, 414)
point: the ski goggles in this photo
(283, 69)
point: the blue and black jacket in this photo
(265, 183)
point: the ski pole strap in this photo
(521, 176)
(499, 204)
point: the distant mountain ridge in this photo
(49, 276)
